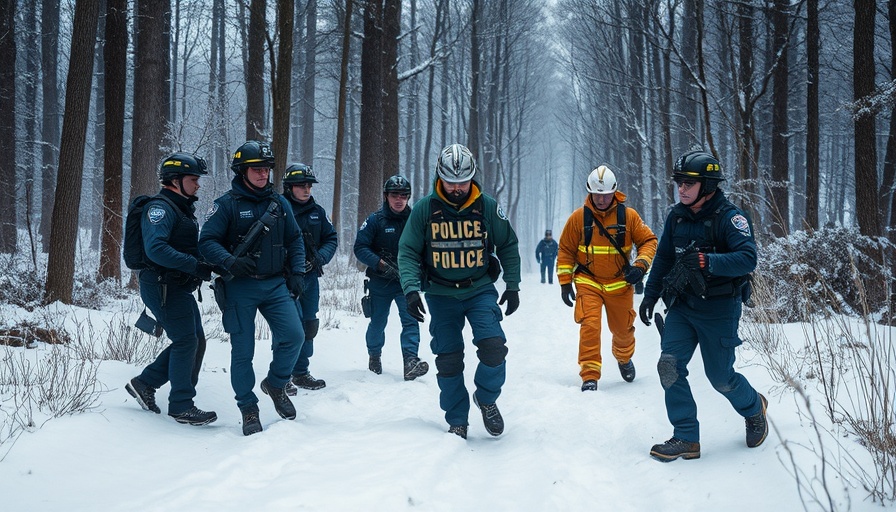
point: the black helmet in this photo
(181, 164)
(699, 166)
(298, 173)
(397, 183)
(456, 164)
(252, 154)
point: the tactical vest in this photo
(184, 235)
(271, 258)
(457, 244)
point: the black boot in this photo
(491, 417)
(414, 367)
(144, 393)
(458, 430)
(251, 422)
(757, 425)
(675, 448)
(306, 381)
(627, 370)
(589, 385)
(375, 364)
(195, 416)
(281, 400)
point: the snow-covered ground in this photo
(375, 442)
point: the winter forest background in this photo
(797, 98)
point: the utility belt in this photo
(466, 283)
(173, 277)
(262, 277)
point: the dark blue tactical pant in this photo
(447, 319)
(244, 297)
(382, 293)
(180, 362)
(547, 266)
(711, 324)
(308, 305)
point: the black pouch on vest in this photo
(365, 300)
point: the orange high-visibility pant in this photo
(590, 304)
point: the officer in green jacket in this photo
(453, 246)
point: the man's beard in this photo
(458, 196)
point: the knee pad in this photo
(492, 351)
(450, 364)
(666, 367)
(311, 328)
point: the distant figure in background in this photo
(320, 246)
(545, 254)
(173, 271)
(377, 247)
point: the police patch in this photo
(155, 214)
(501, 214)
(741, 224)
(211, 211)
(246, 214)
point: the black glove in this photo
(388, 270)
(567, 294)
(634, 274)
(415, 306)
(204, 270)
(694, 261)
(313, 264)
(296, 285)
(512, 298)
(242, 266)
(646, 309)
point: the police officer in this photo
(452, 233)
(258, 282)
(545, 254)
(320, 246)
(170, 234)
(708, 244)
(377, 247)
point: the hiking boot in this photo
(144, 393)
(290, 389)
(589, 385)
(414, 367)
(281, 400)
(306, 381)
(627, 370)
(251, 423)
(491, 417)
(757, 425)
(458, 430)
(675, 448)
(195, 416)
(375, 364)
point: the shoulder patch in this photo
(155, 214)
(740, 223)
(363, 226)
(501, 214)
(211, 211)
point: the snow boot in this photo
(251, 422)
(195, 416)
(375, 364)
(281, 400)
(414, 367)
(589, 385)
(306, 381)
(458, 430)
(491, 417)
(627, 370)
(144, 393)
(757, 425)
(675, 448)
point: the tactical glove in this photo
(296, 285)
(242, 266)
(512, 298)
(646, 309)
(566, 293)
(204, 270)
(694, 261)
(388, 270)
(415, 306)
(634, 274)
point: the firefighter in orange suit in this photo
(595, 249)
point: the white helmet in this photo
(455, 164)
(601, 181)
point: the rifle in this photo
(250, 241)
(311, 254)
(680, 279)
(390, 267)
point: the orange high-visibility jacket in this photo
(600, 257)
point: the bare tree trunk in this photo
(780, 218)
(255, 119)
(812, 157)
(64, 230)
(687, 132)
(50, 115)
(307, 104)
(473, 143)
(281, 86)
(8, 243)
(864, 129)
(340, 116)
(372, 82)
(222, 150)
(99, 129)
(391, 32)
(423, 175)
(298, 87)
(115, 62)
(32, 69)
(412, 119)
